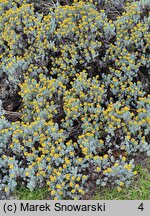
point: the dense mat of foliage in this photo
(82, 77)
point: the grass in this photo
(23, 193)
(139, 190)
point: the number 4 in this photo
(141, 207)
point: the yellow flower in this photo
(82, 191)
(98, 168)
(53, 192)
(71, 184)
(58, 186)
(73, 178)
(78, 179)
(4, 156)
(67, 161)
(6, 189)
(52, 178)
(48, 182)
(11, 166)
(105, 172)
(71, 153)
(105, 156)
(53, 129)
(128, 137)
(124, 158)
(35, 133)
(73, 191)
(109, 170)
(118, 189)
(121, 183)
(84, 177)
(116, 164)
(68, 143)
(76, 185)
(101, 141)
(27, 173)
(64, 166)
(135, 172)
(67, 176)
(80, 160)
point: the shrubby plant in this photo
(85, 109)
